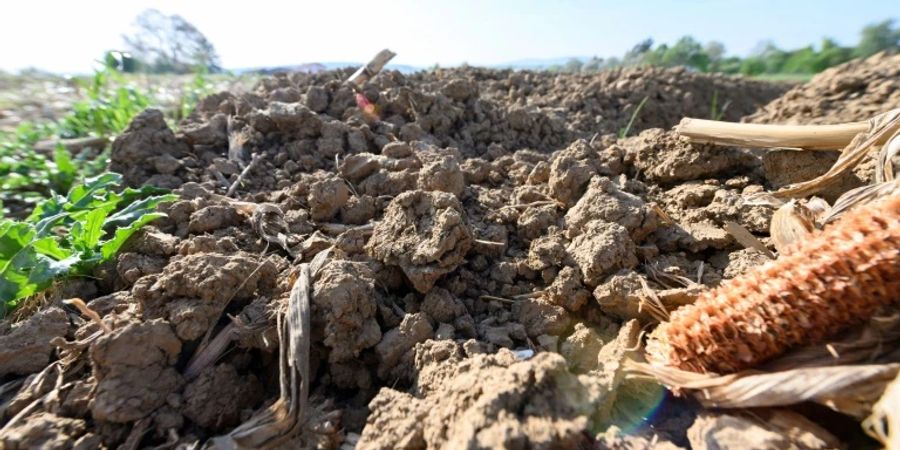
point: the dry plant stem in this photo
(747, 239)
(807, 137)
(88, 312)
(818, 287)
(209, 352)
(137, 434)
(366, 72)
(240, 178)
(285, 419)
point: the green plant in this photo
(716, 113)
(110, 105)
(624, 131)
(70, 235)
(27, 176)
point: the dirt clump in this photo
(462, 413)
(425, 234)
(603, 200)
(665, 157)
(602, 248)
(193, 290)
(216, 399)
(148, 152)
(345, 301)
(132, 384)
(25, 347)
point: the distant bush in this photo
(768, 59)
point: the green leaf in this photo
(137, 209)
(63, 160)
(50, 246)
(110, 247)
(93, 227)
(14, 237)
(82, 196)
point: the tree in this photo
(594, 64)
(170, 44)
(636, 54)
(686, 52)
(573, 65)
(878, 37)
(715, 50)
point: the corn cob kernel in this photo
(821, 285)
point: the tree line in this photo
(767, 59)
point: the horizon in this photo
(268, 35)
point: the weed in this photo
(70, 235)
(624, 131)
(107, 109)
(714, 112)
(27, 176)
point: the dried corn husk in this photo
(761, 428)
(847, 389)
(884, 423)
(860, 196)
(884, 170)
(866, 344)
(747, 239)
(791, 223)
(286, 418)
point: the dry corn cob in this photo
(821, 285)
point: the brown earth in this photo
(857, 90)
(494, 245)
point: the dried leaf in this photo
(790, 223)
(884, 169)
(884, 423)
(747, 239)
(268, 221)
(287, 417)
(766, 428)
(861, 196)
(847, 389)
(863, 344)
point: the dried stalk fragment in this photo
(819, 286)
(368, 71)
(808, 137)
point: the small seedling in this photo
(624, 131)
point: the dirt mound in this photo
(857, 90)
(479, 223)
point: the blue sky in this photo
(66, 36)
